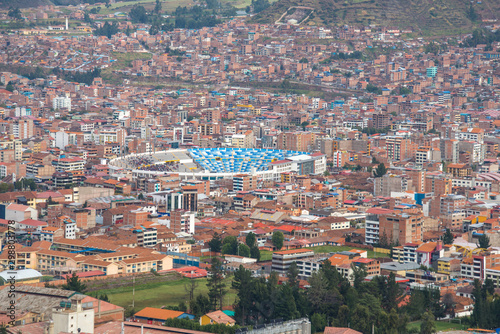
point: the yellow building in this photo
(447, 265)
(217, 317)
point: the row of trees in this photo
(230, 245)
(107, 29)
(481, 36)
(332, 301)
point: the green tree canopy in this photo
(380, 171)
(138, 14)
(250, 239)
(216, 243)
(277, 239)
(216, 286)
(73, 283)
(428, 325)
(448, 237)
(483, 241)
(230, 245)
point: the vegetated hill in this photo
(427, 16)
(6, 4)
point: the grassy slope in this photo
(425, 16)
(440, 326)
(161, 294)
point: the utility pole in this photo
(133, 293)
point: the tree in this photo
(431, 48)
(73, 283)
(230, 245)
(449, 303)
(244, 284)
(380, 171)
(200, 305)
(138, 14)
(190, 287)
(303, 60)
(471, 13)
(318, 322)
(260, 5)
(216, 285)
(243, 250)
(255, 252)
(359, 274)
(448, 237)
(15, 13)
(107, 30)
(292, 275)
(427, 326)
(157, 9)
(216, 243)
(403, 91)
(9, 87)
(104, 297)
(251, 240)
(303, 125)
(484, 241)
(278, 239)
(286, 86)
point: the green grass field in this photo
(124, 59)
(126, 6)
(268, 255)
(169, 293)
(167, 5)
(443, 326)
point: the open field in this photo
(167, 5)
(169, 293)
(267, 255)
(443, 326)
(126, 6)
(124, 59)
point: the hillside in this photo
(425, 16)
(6, 4)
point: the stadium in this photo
(217, 163)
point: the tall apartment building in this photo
(244, 182)
(295, 141)
(437, 183)
(22, 128)
(182, 221)
(383, 186)
(449, 150)
(380, 121)
(61, 102)
(190, 198)
(329, 146)
(399, 148)
(243, 140)
(13, 144)
(402, 228)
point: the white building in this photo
(74, 316)
(69, 229)
(61, 102)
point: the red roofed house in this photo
(31, 224)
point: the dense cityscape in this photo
(247, 167)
